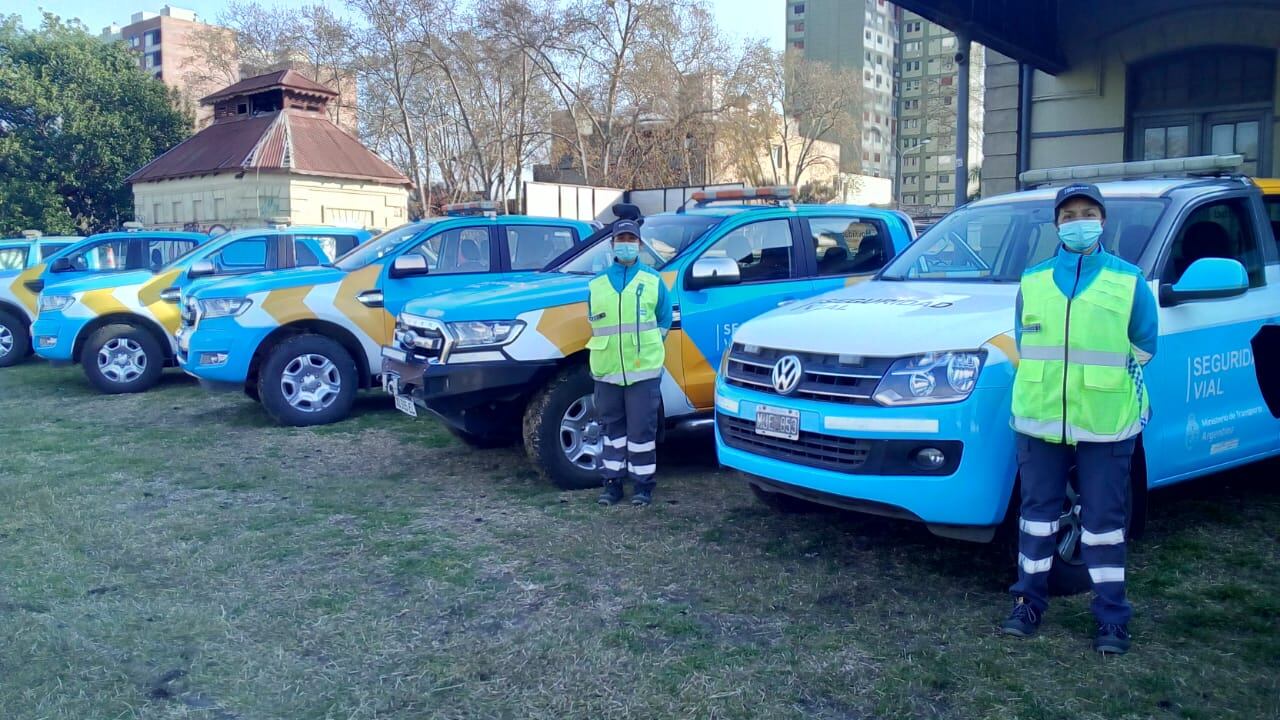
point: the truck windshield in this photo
(662, 237)
(378, 247)
(996, 243)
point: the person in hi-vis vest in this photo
(630, 314)
(1086, 324)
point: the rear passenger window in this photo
(14, 258)
(303, 255)
(532, 247)
(761, 249)
(1273, 214)
(1216, 230)
(161, 252)
(332, 245)
(849, 246)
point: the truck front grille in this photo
(826, 452)
(829, 378)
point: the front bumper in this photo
(476, 397)
(971, 490)
(53, 337)
(219, 357)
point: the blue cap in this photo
(623, 227)
(1075, 190)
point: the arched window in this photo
(1205, 101)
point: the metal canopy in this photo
(1025, 30)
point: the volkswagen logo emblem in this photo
(786, 374)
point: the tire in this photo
(783, 503)
(15, 340)
(1069, 575)
(550, 444)
(308, 380)
(122, 358)
(483, 442)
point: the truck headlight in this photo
(54, 303)
(477, 333)
(224, 307)
(931, 379)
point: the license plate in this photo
(778, 422)
(404, 404)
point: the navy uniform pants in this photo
(629, 424)
(1102, 479)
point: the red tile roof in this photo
(283, 141)
(279, 79)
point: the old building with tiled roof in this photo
(270, 152)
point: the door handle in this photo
(787, 301)
(370, 298)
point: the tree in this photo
(77, 116)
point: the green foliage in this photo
(77, 116)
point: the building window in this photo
(155, 213)
(133, 41)
(798, 9)
(949, 42)
(948, 81)
(197, 206)
(799, 27)
(944, 178)
(866, 34)
(877, 157)
(798, 45)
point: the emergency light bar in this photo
(770, 192)
(280, 222)
(1199, 165)
(479, 207)
(132, 226)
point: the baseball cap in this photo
(1075, 190)
(623, 227)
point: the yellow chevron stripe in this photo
(103, 302)
(374, 322)
(566, 327)
(1007, 346)
(21, 293)
(288, 305)
(168, 314)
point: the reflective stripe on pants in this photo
(629, 420)
(1102, 481)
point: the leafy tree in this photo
(77, 116)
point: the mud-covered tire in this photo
(15, 340)
(483, 442)
(122, 358)
(783, 503)
(542, 429)
(285, 381)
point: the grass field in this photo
(171, 555)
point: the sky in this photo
(739, 18)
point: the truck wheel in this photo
(308, 380)
(122, 358)
(483, 442)
(15, 341)
(783, 503)
(1069, 575)
(561, 434)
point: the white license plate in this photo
(394, 353)
(404, 404)
(778, 422)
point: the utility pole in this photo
(962, 120)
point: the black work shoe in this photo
(1112, 638)
(611, 495)
(1024, 621)
(641, 497)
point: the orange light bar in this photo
(478, 205)
(768, 192)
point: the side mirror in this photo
(201, 268)
(1207, 279)
(171, 294)
(712, 272)
(61, 265)
(408, 265)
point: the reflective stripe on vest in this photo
(626, 345)
(1085, 387)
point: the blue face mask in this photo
(626, 251)
(1080, 235)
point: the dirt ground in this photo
(172, 555)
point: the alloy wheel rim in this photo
(580, 434)
(310, 383)
(1070, 529)
(122, 360)
(6, 340)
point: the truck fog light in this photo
(930, 458)
(213, 358)
(46, 341)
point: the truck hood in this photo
(241, 285)
(501, 299)
(97, 282)
(889, 319)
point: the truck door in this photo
(1207, 405)
(455, 257)
(772, 274)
